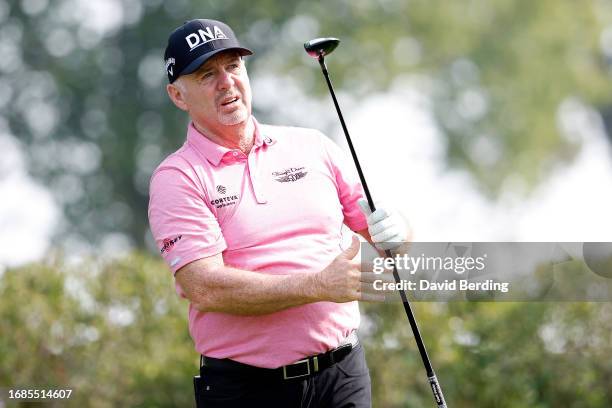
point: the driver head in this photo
(321, 46)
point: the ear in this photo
(177, 96)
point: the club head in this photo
(321, 46)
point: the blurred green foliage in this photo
(116, 333)
(83, 84)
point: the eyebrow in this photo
(225, 60)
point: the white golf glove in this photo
(386, 227)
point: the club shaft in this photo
(431, 376)
(433, 381)
(346, 133)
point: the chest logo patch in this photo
(290, 175)
(221, 202)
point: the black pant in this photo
(343, 385)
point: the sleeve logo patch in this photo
(168, 243)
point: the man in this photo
(248, 217)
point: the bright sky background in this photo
(28, 214)
(402, 157)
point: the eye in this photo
(207, 74)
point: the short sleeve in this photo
(183, 226)
(349, 186)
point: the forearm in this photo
(211, 286)
(230, 290)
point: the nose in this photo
(225, 80)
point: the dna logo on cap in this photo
(203, 36)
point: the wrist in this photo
(313, 287)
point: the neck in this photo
(239, 136)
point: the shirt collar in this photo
(260, 137)
(214, 152)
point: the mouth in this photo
(229, 101)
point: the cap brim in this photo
(197, 63)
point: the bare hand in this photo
(342, 280)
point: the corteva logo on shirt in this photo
(224, 201)
(221, 202)
(194, 40)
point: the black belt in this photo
(300, 369)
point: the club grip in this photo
(437, 391)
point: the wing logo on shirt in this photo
(290, 175)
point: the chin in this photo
(234, 118)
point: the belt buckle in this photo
(288, 377)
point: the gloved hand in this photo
(386, 227)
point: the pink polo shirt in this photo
(278, 210)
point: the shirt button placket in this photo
(257, 189)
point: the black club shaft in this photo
(431, 376)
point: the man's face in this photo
(218, 93)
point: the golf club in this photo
(319, 48)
